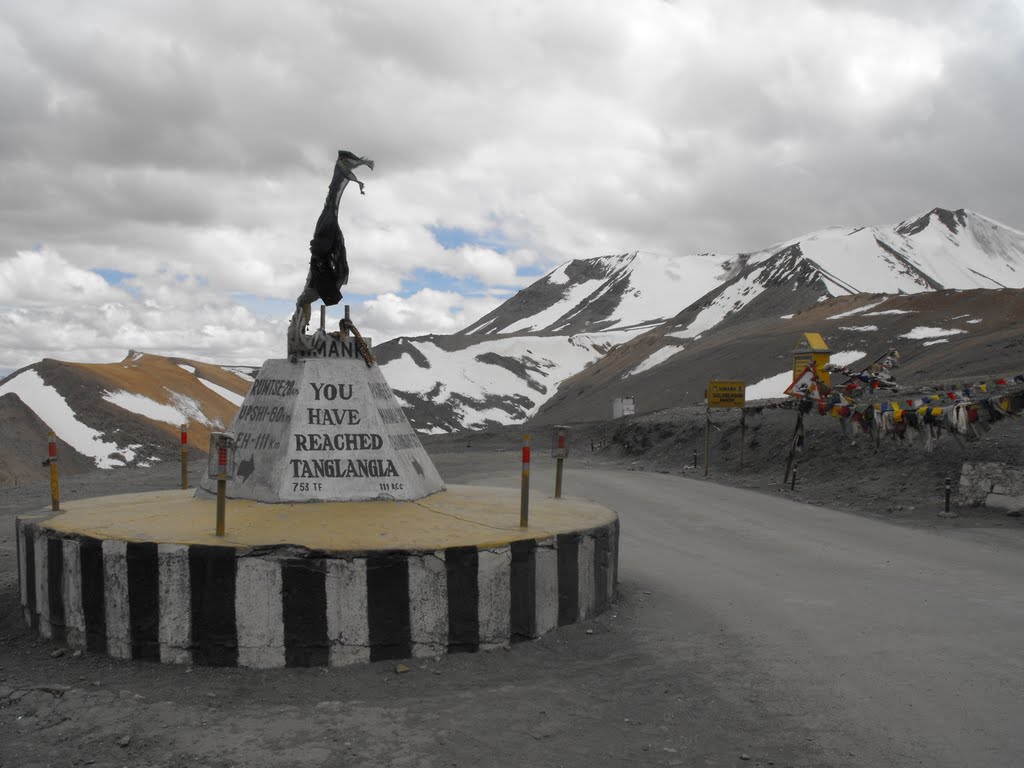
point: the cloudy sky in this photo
(162, 164)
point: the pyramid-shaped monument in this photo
(324, 425)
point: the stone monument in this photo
(341, 544)
(323, 424)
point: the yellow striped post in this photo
(524, 499)
(54, 480)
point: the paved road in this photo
(894, 646)
(750, 627)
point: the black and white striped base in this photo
(280, 606)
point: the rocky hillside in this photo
(942, 336)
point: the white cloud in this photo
(51, 308)
(190, 144)
(43, 278)
(426, 311)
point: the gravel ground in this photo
(898, 480)
(622, 689)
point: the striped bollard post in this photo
(184, 456)
(54, 480)
(560, 448)
(524, 501)
(222, 483)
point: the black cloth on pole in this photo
(328, 261)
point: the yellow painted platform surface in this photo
(459, 516)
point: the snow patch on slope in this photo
(655, 358)
(646, 288)
(227, 394)
(573, 297)
(248, 375)
(48, 404)
(544, 362)
(557, 276)
(191, 410)
(858, 310)
(144, 406)
(858, 264)
(927, 332)
(181, 410)
(733, 298)
(660, 286)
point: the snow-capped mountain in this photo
(505, 365)
(943, 287)
(634, 292)
(625, 294)
(940, 249)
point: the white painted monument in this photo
(325, 426)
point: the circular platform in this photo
(142, 576)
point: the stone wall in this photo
(992, 484)
(286, 606)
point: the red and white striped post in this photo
(222, 483)
(184, 456)
(54, 481)
(524, 500)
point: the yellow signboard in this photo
(811, 348)
(727, 394)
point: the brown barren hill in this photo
(176, 382)
(136, 406)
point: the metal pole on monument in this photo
(54, 480)
(221, 489)
(221, 465)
